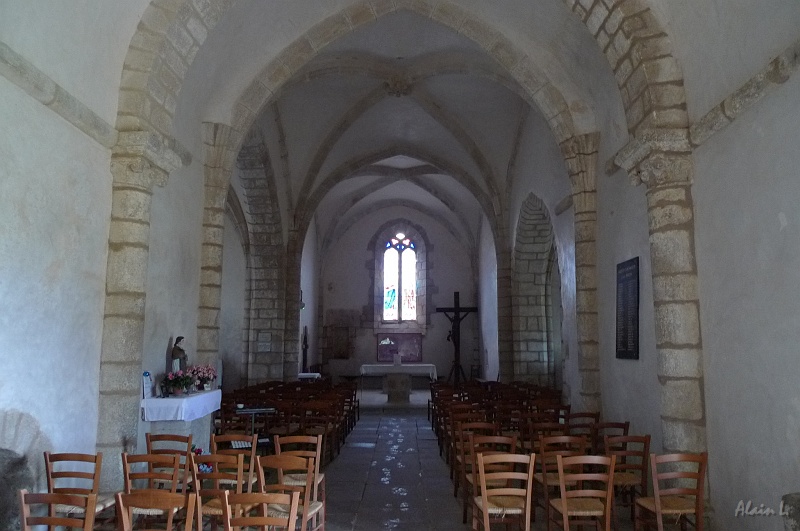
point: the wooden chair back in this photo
(76, 473)
(303, 446)
(612, 429)
(40, 509)
(581, 422)
(252, 510)
(506, 487)
(630, 474)
(239, 444)
(150, 471)
(586, 486)
(678, 487)
(172, 444)
(155, 502)
(73, 473)
(283, 468)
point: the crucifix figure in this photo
(458, 314)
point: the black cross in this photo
(455, 335)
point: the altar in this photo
(183, 415)
(397, 377)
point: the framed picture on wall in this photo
(628, 309)
(409, 346)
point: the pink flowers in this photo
(202, 373)
(178, 379)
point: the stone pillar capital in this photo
(660, 169)
(144, 159)
(656, 145)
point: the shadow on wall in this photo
(22, 445)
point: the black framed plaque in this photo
(628, 309)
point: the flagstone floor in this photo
(389, 475)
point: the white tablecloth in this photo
(188, 407)
(416, 369)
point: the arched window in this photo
(400, 279)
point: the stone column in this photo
(220, 143)
(675, 297)
(580, 155)
(139, 161)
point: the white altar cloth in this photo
(186, 408)
(412, 369)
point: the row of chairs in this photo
(238, 510)
(296, 408)
(170, 467)
(506, 483)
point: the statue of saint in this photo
(178, 356)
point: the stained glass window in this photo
(400, 279)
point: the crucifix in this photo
(454, 335)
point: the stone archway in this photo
(533, 360)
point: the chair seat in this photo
(580, 506)
(626, 479)
(296, 480)
(502, 505)
(277, 510)
(669, 504)
(212, 507)
(104, 501)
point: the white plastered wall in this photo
(309, 283)
(631, 390)
(746, 196)
(55, 185)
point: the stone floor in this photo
(389, 475)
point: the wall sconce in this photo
(302, 304)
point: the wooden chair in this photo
(34, 504)
(211, 475)
(678, 491)
(538, 425)
(155, 502)
(456, 418)
(322, 418)
(505, 484)
(586, 486)
(238, 511)
(463, 459)
(486, 445)
(547, 476)
(630, 474)
(278, 467)
(239, 444)
(601, 429)
(581, 422)
(304, 446)
(170, 444)
(75, 473)
(150, 471)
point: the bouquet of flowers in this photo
(202, 373)
(178, 380)
(201, 467)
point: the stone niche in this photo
(22, 445)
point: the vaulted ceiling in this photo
(404, 109)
